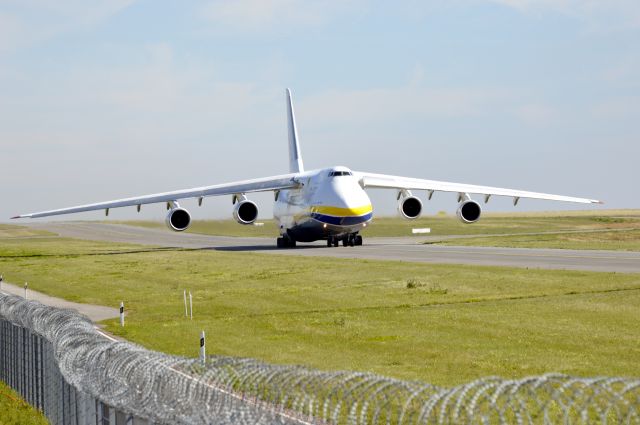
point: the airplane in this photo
(327, 204)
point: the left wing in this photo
(285, 181)
(396, 182)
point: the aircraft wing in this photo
(285, 181)
(396, 182)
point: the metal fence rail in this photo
(28, 364)
(61, 364)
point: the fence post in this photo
(203, 357)
(122, 313)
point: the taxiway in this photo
(410, 248)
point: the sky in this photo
(108, 99)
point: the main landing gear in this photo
(286, 242)
(352, 239)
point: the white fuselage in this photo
(330, 203)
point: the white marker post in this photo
(26, 285)
(184, 295)
(1, 279)
(122, 314)
(202, 349)
(191, 304)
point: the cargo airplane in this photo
(328, 204)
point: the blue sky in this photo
(108, 99)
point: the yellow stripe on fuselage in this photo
(342, 212)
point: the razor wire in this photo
(177, 390)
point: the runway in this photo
(411, 249)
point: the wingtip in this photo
(13, 218)
(599, 202)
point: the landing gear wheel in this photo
(345, 241)
(352, 241)
(336, 242)
(289, 242)
(330, 241)
(285, 242)
(358, 240)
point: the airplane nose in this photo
(349, 195)
(344, 204)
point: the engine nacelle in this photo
(469, 211)
(178, 219)
(245, 212)
(410, 206)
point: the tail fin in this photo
(295, 157)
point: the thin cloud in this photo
(28, 22)
(598, 14)
(538, 114)
(401, 103)
(281, 16)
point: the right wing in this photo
(286, 181)
(408, 183)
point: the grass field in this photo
(437, 323)
(15, 411)
(623, 226)
(615, 240)
(8, 231)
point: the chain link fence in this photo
(75, 374)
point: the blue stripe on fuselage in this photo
(341, 221)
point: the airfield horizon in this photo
(586, 229)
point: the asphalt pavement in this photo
(410, 248)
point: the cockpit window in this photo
(339, 173)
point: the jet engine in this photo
(245, 211)
(178, 219)
(469, 211)
(409, 206)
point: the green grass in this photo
(615, 240)
(9, 231)
(446, 225)
(437, 323)
(15, 411)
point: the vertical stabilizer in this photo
(295, 157)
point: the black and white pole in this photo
(184, 296)
(26, 285)
(202, 349)
(1, 279)
(191, 305)
(122, 314)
